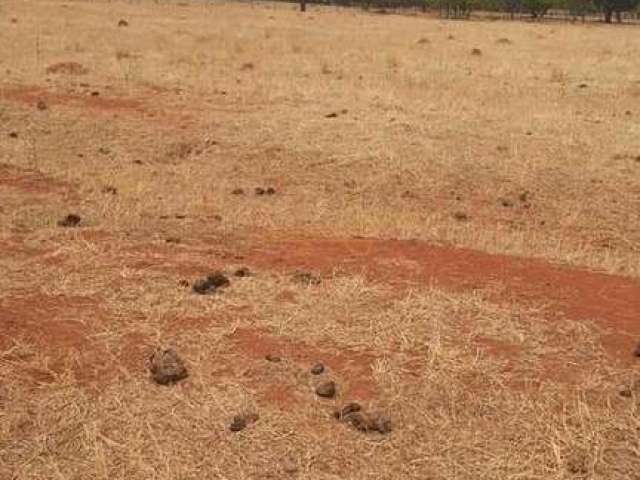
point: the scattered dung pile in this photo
(211, 283)
(305, 278)
(242, 272)
(317, 369)
(327, 389)
(242, 421)
(354, 415)
(265, 191)
(166, 367)
(70, 221)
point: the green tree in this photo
(609, 7)
(537, 8)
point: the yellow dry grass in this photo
(535, 140)
(429, 129)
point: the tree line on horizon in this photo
(536, 9)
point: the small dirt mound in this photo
(71, 220)
(211, 284)
(272, 358)
(476, 52)
(67, 68)
(504, 41)
(166, 367)
(41, 105)
(123, 23)
(636, 351)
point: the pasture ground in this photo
(468, 195)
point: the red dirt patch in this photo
(32, 94)
(612, 302)
(281, 396)
(136, 348)
(30, 181)
(56, 327)
(13, 246)
(353, 367)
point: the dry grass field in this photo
(445, 215)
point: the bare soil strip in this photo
(612, 302)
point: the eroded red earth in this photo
(61, 329)
(31, 95)
(612, 302)
(29, 181)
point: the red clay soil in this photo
(55, 327)
(29, 180)
(612, 302)
(352, 365)
(32, 95)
